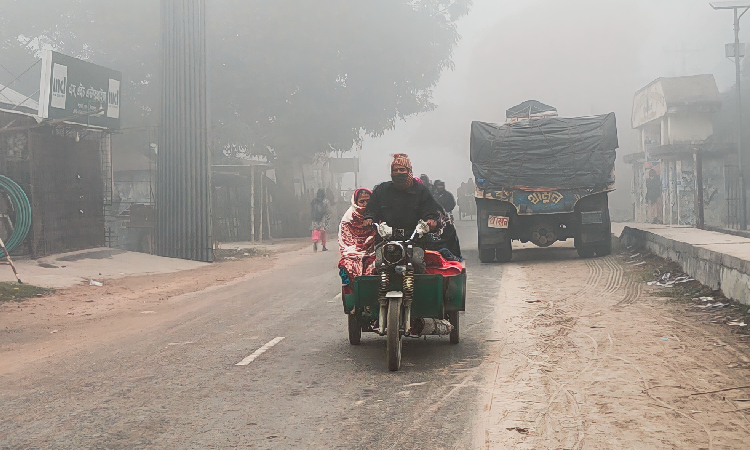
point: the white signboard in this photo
(498, 222)
(59, 86)
(113, 99)
(78, 91)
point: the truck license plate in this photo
(497, 222)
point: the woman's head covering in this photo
(355, 197)
(321, 194)
(356, 242)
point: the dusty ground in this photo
(601, 360)
(556, 352)
(47, 325)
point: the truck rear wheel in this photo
(604, 249)
(586, 251)
(505, 252)
(486, 253)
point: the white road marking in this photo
(259, 352)
(338, 296)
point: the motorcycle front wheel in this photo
(393, 351)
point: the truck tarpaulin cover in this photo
(551, 153)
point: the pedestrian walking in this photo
(470, 199)
(320, 211)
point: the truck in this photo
(542, 178)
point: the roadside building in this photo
(679, 154)
(58, 149)
(299, 181)
(64, 169)
(132, 222)
(243, 201)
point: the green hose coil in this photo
(22, 208)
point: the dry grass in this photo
(14, 292)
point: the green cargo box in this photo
(434, 296)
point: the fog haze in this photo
(582, 56)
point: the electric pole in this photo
(184, 227)
(736, 6)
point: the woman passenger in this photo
(356, 242)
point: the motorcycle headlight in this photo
(393, 253)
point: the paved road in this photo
(556, 352)
(176, 385)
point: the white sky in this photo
(581, 56)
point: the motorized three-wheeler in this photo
(398, 303)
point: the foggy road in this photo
(164, 165)
(178, 386)
(555, 352)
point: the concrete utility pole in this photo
(684, 53)
(736, 6)
(184, 228)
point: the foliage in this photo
(298, 77)
(121, 35)
(313, 76)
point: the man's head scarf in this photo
(402, 160)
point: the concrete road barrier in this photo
(718, 260)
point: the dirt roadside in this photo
(587, 355)
(68, 319)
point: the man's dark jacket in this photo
(401, 209)
(445, 200)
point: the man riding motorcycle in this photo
(402, 202)
(405, 212)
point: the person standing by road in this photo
(653, 197)
(471, 201)
(461, 200)
(426, 181)
(443, 197)
(320, 211)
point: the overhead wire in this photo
(19, 76)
